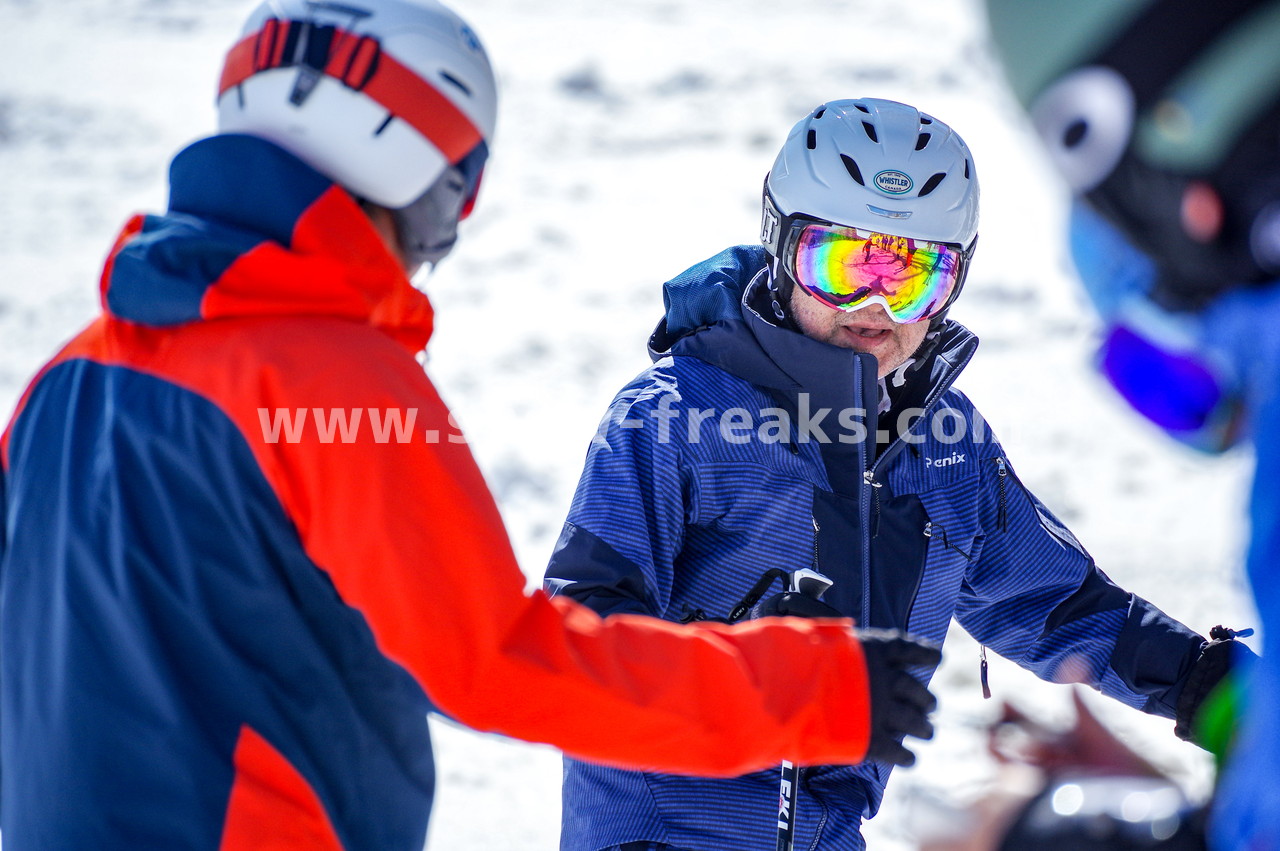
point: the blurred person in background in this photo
(1163, 116)
(800, 414)
(223, 628)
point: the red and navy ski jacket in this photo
(244, 551)
(748, 446)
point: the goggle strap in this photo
(359, 63)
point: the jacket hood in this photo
(253, 231)
(705, 319)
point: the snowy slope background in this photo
(633, 137)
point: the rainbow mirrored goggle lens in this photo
(848, 267)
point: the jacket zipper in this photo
(929, 526)
(864, 510)
(803, 771)
(822, 822)
(1002, 512)
(869, 478)
(816, 530)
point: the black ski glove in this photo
(1217, 657)
(900, 704)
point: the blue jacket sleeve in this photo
(1246, 811)
(1034, 595)
(626, 523)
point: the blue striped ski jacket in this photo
(747, 446)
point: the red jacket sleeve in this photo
(411, 538)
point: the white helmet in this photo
(381, 96)
(878, 166)
(881, 166)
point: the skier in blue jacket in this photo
(800, 413)
(1163, 117)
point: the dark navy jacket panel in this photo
(260, 636)
(602, 577)
(162, 275)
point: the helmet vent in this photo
(1075, 133)
(862, 108)
(449, 78)
(871, 131)
(931, 184)
(924, 119)
(922, 141)
(966, 169)
(819, 113)
(852, 168)
(812, 141)
(386, 122)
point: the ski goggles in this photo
(851, 268)
(1177, 389)
(1158, 361)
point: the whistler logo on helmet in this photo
(892, 182)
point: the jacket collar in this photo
(253, 231)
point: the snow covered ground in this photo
(633, 138)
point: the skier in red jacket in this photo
(244, 549)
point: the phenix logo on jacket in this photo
(217, 641)
(945, 461)
(913, 530)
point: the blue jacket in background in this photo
(716, 464)
(1242, 328)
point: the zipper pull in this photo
(1002, 513)
(817, 564)
(869, 477)
(1222, 633)
(928, 529)
(982, 673)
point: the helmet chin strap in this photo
(428, 227)
(781, 286)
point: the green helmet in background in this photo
(1164, 116)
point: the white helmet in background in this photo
(394, 100)
(877, 166)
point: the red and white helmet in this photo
(381, 96)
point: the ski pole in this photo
(813, 584)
